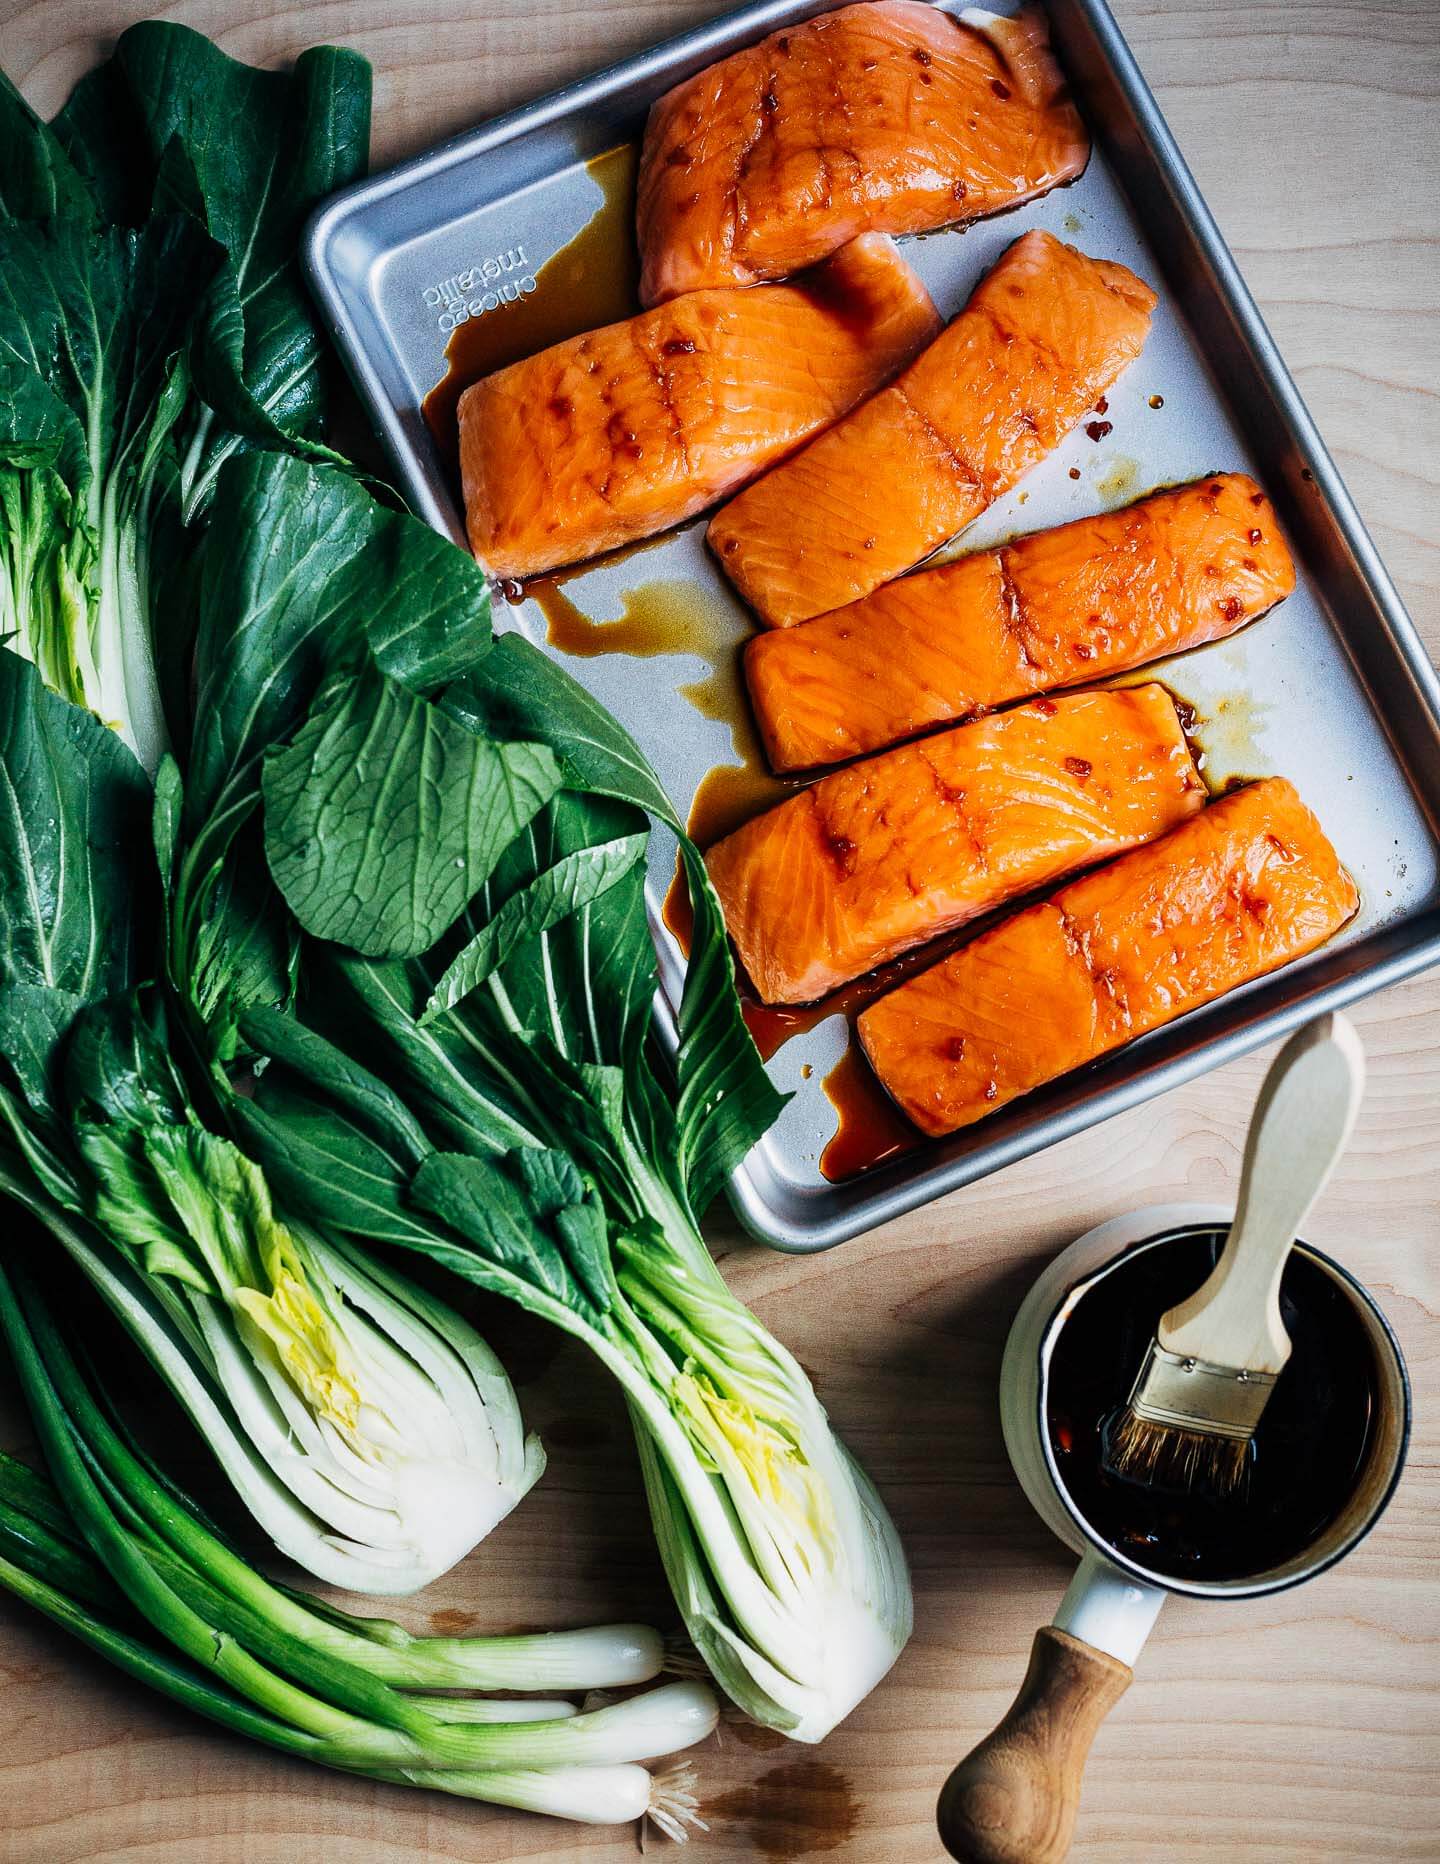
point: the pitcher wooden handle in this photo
(1013, 1799)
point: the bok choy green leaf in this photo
(171, 124)
(354, 586)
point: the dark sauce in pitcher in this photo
(1307, 1454)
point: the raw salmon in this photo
(1045, 334)
(1247, 886)
(856, 869)
(1090, 599)
(890, 116)
(624, 431)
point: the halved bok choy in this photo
(124, 1561)
(470, 1074)
(364, 1423)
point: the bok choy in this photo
(123, 1561)
(152, 322)
(453, 833)
(368, 1428)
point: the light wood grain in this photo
(1296, 1729)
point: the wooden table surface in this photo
(1301, 1728)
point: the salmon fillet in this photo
(856, 869)
(1087, 600)
(890, 117)
(1247, 886)
(614, 435)
(1045, 334)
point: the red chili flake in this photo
(869, 544)
(1255, 537)
(511, 590)
(1157, 401)
(992, 1092)
(1079, 768)
(955, 1049)
(1097, 430)
(1002, 91)
(958, 189)
(1082, 650)
(1257, 498)
(1074, 472)
(921, 56)
(1102, 406)
(679, 346)
(1216, 490)
(1232, 608)
(1045, 707)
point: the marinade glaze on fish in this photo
(888, 116)
(1044, 335)
(847, 874)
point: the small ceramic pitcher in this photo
(1013, 1799)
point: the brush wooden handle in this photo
(1302, 1119)
(1013, 1799)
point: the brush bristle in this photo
(1163, 1456)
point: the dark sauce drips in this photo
(592, 280)
(1306, 1456)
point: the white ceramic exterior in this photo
(1113, 1600)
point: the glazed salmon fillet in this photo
(1046, 332)
(1090, 599)
(849, 873)
(614, 435)
(888, 117)
(1248, 885)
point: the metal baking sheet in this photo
(1333, 690)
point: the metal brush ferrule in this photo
(1192, 1394)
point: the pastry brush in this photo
(1216, 1357)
